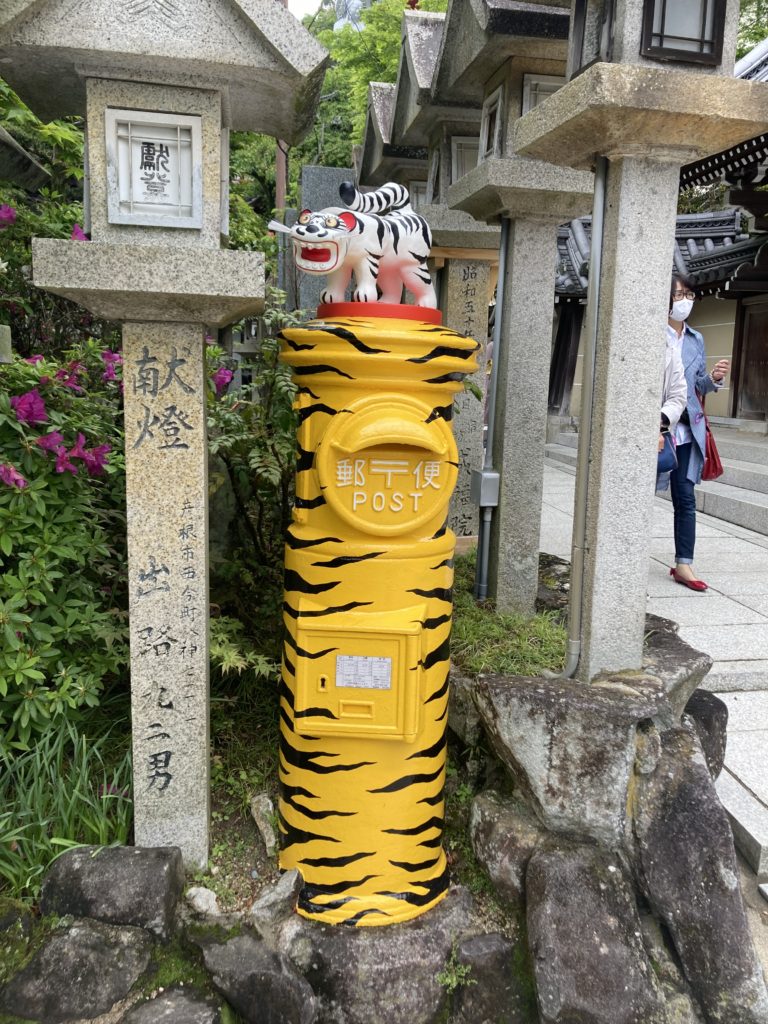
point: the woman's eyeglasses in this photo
(684, 295)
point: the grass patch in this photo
(66, 791)
(245, 735)
(487, 641)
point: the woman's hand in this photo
(661, 442)
(720, 369)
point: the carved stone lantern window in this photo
(490, 126)
(684, 30)
(153, 165)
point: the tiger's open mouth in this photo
(315, 257)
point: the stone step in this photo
(724, 423)
(568, 439)
(733, 504)
(733, 445)
(749, 820)
(741, 448)
(749, 476)
(561, 453)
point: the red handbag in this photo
(713, 467)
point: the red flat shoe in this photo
(698, 585)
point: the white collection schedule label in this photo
(365, 672)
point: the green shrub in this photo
(39, 320)
(252, 430)
(63, 619)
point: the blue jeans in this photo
(684, 504)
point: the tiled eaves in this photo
(708, 247)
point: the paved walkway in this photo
(729, 622)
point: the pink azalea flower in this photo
(69, 376)
(34, 360)
(50, 442)
(11, 476)
(78, 450)
(221, 379)
(96, 459)
(29, 407)
(7, 215)
(111, 360)
(78, 234)
(63, 465)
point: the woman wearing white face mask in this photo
(690, 432)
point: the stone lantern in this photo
(161, 83)
(508, 57)
(649, 91)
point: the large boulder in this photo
(679, 666)
(681, 1006)
(709, 717)
(584, 933)
(81, 971)
(571, 747)
(262, 985)
(504, 835)
(687, 867)
(175, 1006)
(463, 717)
(499, 987)
(380, 975)
(131, 885)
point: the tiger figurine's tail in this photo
(390, 198)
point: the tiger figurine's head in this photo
(379, 240)
(321, 239)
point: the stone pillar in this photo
(521, 412)
(166, 462)
(6, 350)
(466, 311)
(639, 235)
(319, 188)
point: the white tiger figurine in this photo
(378, 238)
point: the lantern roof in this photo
(479, 35)
(267, 65)
(754, 65)
(416, 113)
(379, 160)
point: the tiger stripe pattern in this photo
(362, 757)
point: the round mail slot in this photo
(385, 466)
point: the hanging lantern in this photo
(684, 30)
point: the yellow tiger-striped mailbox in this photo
(369, 570)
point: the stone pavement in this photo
(729, 622)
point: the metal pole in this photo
(485, 482)
(573, 651)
